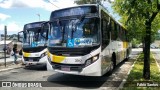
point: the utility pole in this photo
(5, 46)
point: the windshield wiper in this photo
(82, 18)
(63, 33)
(73, 30)
(74, 24)
(61, 29)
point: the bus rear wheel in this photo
(113, 63)
(114, 60)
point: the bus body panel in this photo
(41, 57)
(103, 64)
(42, 60)
(93, 69)
(34, 47)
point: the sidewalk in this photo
(157, 58)
(9, 63)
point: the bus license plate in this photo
(65, 68)
(31, 60)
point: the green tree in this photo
(142, 18)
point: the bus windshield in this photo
(33, 38)
(74, 33)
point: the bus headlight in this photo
(91, 60)
(95, 58)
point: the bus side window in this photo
(105, 29)
(105, 34)
(113, 30)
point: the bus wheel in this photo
(127, 55)
(114, 60)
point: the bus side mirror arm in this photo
(19, 38)
(43, 28)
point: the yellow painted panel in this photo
(26, 54)
(57, 59)
(48, 53)
(125, 44)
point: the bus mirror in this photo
(74, 27)
(109, 22)
(44, 30)
(20, 36)
(75, 24)
(82, 18)
(59, 23)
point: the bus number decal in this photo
(78, 60)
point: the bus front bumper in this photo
(39, 61)
(93, 69)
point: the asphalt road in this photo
(59, 81)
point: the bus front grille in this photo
(71, 67)
(31, 58)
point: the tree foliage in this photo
(134, 14)
(142, 18)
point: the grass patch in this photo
(135, 80)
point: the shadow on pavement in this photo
(63, 80)
(41, 67)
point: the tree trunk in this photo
(146, 68)
(143, 45)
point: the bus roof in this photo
(97, 5)
(75, 6)
(33, 24)
(74, 11)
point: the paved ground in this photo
(9, 63)
(59, 81)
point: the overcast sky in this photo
(16, 13)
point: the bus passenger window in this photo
(105, 34)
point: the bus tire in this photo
(127, 55)
(114, 60)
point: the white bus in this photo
(34, 46)
(85, 40)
